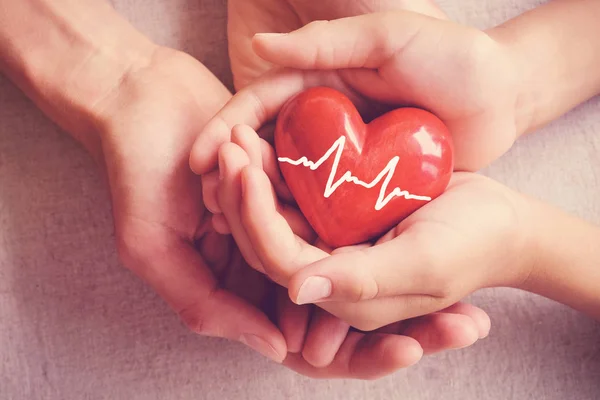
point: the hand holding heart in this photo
(398, 64)
(466, 239)
(261, 225)
(458, 73)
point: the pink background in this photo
(74, 324)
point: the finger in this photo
(220, 224)
(259, 156)
(210, 184)
(392, 268)
(257, 105)
(365, 41)
(361, 356)
(442, 331)
(180, 276)
(369, 83)
(269, 160)
(281, 252)
(292, 320)
(254, 106)
(325, 336)
(480, 317)
(249, 284)
(371, 315)
(216, 250)
(245, 137)
(232, 159)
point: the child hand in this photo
(326, 342)
(398, 58)
(469, 238)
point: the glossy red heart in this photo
(355, 181)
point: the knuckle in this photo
(423, 305)
(364, 286)
(131, 244)
(139, 244)
(317, 26)
(323, 54)
(434, 273)
(194, 320)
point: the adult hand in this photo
(164, 233)
(137, 108)
(459, 73)
(166, 237)
(249, 17)
(163, 230)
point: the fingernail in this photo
(270, 35)
(261, 346)
(314, 289)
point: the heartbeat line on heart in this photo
(386, 175)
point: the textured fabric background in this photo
(75, 325)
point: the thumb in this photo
(394, 268)
(365, 41)
(179, 274)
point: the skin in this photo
(524, 248)
(137, 108)
(517, 242)
(247, 18)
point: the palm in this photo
(473, 93)
(163, 229)
(247, 18)
(394, 58)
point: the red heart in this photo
(409, 148)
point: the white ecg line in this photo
(331, 187)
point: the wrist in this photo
(525, 107)
(75, 55)
(555, 52)
(566, 262)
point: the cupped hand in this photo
(249, 17)
(165, 235)
(390, 59)
(329, 344)
(147, 126)
(471, 237)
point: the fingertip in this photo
(390, 352)
(483, 322)
(247, 138)
(229, 157)
(411, 354)
(481, 319)
(484, 330)
(468, 336)
(265, 347)
(210, 187)
(262, 42)
(220, 224)
(203, 155)
(326, 334)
